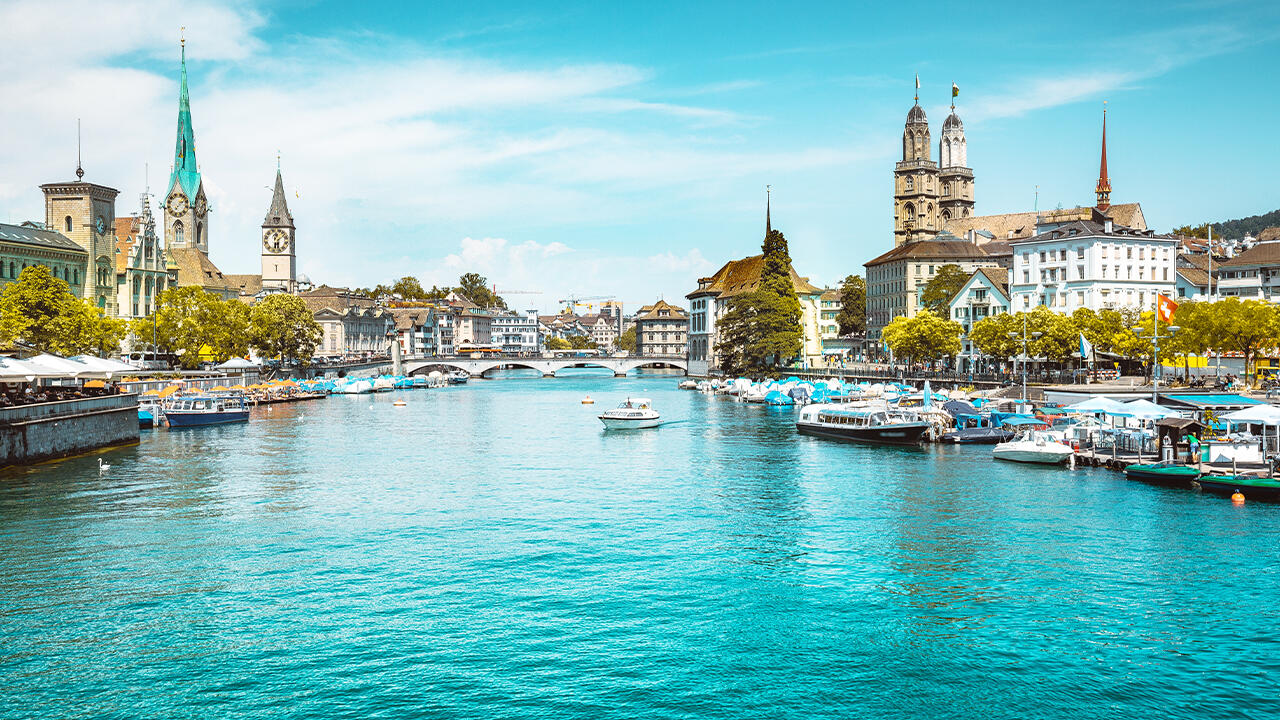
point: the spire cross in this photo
(768, 203)
(79, 167)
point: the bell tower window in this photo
(911, 183)
(68, 223)
(179, 234)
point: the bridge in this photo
(477, 367)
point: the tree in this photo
(581, 342)
(924, 337)
(283, 327)
(408, 288)
(990, 336)
(853, 306)
(626, 342)
(556, 343)
(1244, 326)
(942, 287)
(761, 332)
(40, 310)
(475, 287)
(193, 322)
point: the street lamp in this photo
(1025, 338)
(1156, 337)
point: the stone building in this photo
(142, 268)
(896, 279)
(85, 213)
(926, 194)
(352, 324)
(30, 244)
(662, 329)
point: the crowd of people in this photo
(16, 394)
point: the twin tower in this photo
(926, 194)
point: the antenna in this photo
(79, 168)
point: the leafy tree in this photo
(1197, 231)
(408, 288)
(557, 343)
(942, 287)
(283, 327)
(853, 306)
(581, 342)
(475, 287)
(924, 337)
(192, 322)
(626, 342)
(40, 310)
(1245, 326)
(761, 331)
(990, 336)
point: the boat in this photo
(198, 410)
(150, 412)
(978, 436)
(1033, 446)
(631, 413)
(880, 426)
(459, 377)
(688, 384)
(383, 384)
(1162, 473)
(354, 387)
(1251, 486)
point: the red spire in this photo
(1104, 183)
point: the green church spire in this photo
(185, 171)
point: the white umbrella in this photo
(1147, 410)
(14, 370)
(1258, 415)
(1100, 404)
(101, 366)
(54, 366)
(237, 363)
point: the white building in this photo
(984, 294)
(1092, 264)
(1253, 274)
(517, 334)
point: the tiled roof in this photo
(1009, 226)
(38, 237)
(1264, 253)
(249, 285)
(195, 268)
(1195, 276)
(128, 228)
(1196, 261)
(932, 250)
(651, 312)
(738, 277)
(1089, 228)
(410, 317)
(337, 299)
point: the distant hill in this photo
(1251, 225)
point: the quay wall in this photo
(32, 433)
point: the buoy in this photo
(399, 403)
(1237, 498)
(588, 401)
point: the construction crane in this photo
(574, 301)
(496, 291)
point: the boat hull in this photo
(1179, 476)
(629, 423)
(1252, 488)
(991, 437)
(902, 434)
(1037, 456)
(178, 419)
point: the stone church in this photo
(928, 194)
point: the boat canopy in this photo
(1257, 415)
(1100, 404)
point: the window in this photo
(946, 189)
(1129, 252)
(1079, 253)
(911, 185)
(1042, 256)
(178, 234)
(67, 223)
(1079, 272)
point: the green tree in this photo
(581, 342)
(1244, 326)
(408, 288)
(942, 287)
(761, 332)
(283, 327)
(626, 342)
(853, 306)
(41, 311)
(990, 336)
(196, 325)
(475, 287)
(924, 337)
(557, 343)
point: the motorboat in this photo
(631, 413)
(1034, 446)
(1251, 486)
(355, 387)
(150, 411)
(198, 410)
(879, 426)
(384, 384)
(688, 384)
(1162, 473)
(978, 436)
(459, 377)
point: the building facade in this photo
(516, 333)
(85, 213)
(279, 253)
(926, 194)
(142, 268)
(984, 294)
(352, 324)
(662, 329)
(896, 279)
(1253, 274)
(28, 244)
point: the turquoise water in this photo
(489, 551)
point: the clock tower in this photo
(186, 209)
(279, 261)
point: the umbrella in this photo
(14, 370)
(1258, 415)
(48, 365)
(237, 363)
(95, 384)
(103, 365)
(1146, 410)
(1100, 404)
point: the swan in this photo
(103, 467)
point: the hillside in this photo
(1251, 225)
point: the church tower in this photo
(915, 181)
(186, 209)
(956, 195)
(279, 261)
(1103, 188)
(85, 213)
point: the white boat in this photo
(632, 413)
(354, 387)
(383, 384)
(1033, 446)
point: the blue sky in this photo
(623, 148)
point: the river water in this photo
(489, 551)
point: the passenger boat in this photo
(197, 410)
(1162, 473)
(1252, 487)
(880, 426)
(978, 436)
(1033, 446)
(459, 377)
(150, 412)
(632, 413)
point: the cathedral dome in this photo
(952, 121)
(916, 115)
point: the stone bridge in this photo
(477, 367)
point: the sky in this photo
(623, 149)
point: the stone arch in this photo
(179, 233)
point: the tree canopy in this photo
(761, 331)
(853, 306)
(41, 311)
(942, 287)
(924, 337)
(198, 325)
(283, 327)
(626, 342)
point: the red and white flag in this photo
(1165, 308)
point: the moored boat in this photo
(1251, 486)
(150, 412)
(881, 426)
(1162, 473)
(978, 436)
(459, 377)
(198, 410)
(1033, 446)
(631, 413)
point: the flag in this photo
(1165, 308)
(955, 90)
(1086, 348)
(917, 81)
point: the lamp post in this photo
(1025, 338)
(1156, 337)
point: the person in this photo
(1193, 445)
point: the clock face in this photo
(177, 203)
(100, 226)
(201, 206)
(275, 241)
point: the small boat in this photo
(873, 426)
(631, 413)
(197, 410)
(1251, 486)
(1162, 473)
(1033, 446)
(354, 387)
(150, 412)
(384, 384)
(978, 436)
(688, 384)
(459, 377)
